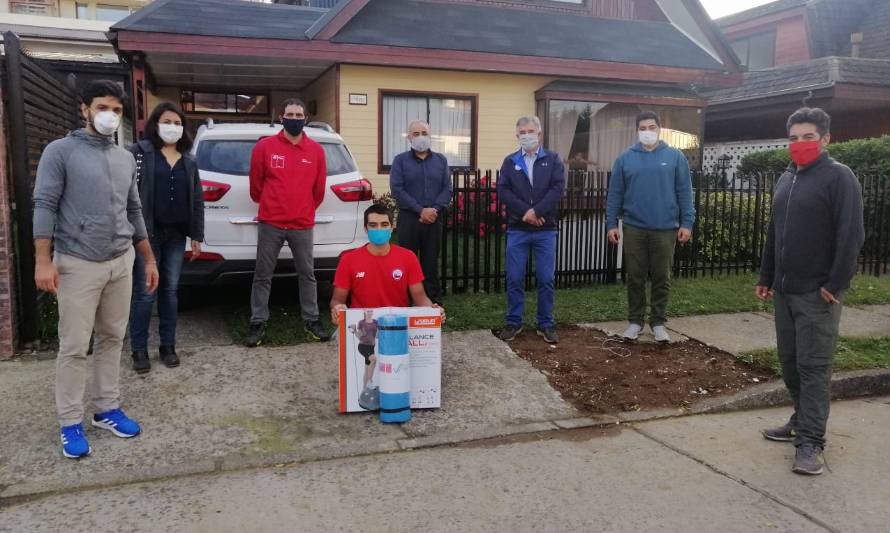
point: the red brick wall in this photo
(7, 273)
(792, 44)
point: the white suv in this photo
(230, 227)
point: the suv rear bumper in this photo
(200, 273)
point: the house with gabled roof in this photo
(469, 67)
(833, 54)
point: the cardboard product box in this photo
(357, 339)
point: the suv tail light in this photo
(353, 191)
(214, 190)
(204, 256)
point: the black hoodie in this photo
(815, 231)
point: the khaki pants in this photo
(92, 297)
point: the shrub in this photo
(731, 228)
(860, 155)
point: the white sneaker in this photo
(661, 334)
(632, 332)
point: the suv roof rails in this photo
(209, 123)
(322, 126)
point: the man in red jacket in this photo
(287, 179)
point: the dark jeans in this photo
(648, 254)
(425, 240)
(269, 242)
(168, 246)
(519, 245)
(806, 333)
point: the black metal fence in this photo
(728, 236)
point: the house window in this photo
(246, 104)
(82, 11)
(591, 135)
(34, 7)
(757, 51)
(110, 13)
(451, 120)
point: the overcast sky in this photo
(721, 8)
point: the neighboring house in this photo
(68, 37)
(469, 67)
(833, 53)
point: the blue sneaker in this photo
(74, 442)
(116, 422)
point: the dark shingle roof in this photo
(759, 11)
(232, 18)
(479, 28)
(822, 72)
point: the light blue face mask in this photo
(379, 236)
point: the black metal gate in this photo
(40, 109)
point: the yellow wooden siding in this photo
(502, 98)
(323, 91)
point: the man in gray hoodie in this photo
(87, 218)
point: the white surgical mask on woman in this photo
(170, 133)
(106, 122)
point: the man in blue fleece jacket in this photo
(651, 189)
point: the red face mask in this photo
(805, 152)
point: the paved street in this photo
(701, 473)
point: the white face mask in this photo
(648, 138)
(170, 133)
(421, 143)
(106, 122)
(528, 141)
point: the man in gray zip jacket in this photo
(813, 242)
(87, 218)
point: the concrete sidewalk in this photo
(738, 333)
(695, 474)
(229, 407)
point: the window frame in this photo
(191, 110)
(474, 121)
(746, 61)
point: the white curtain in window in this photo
(612, 130)
(451, 128)
(563, 123)
(398, 111)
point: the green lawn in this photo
(689, 296)
(852, 354)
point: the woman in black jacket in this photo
(173, 208)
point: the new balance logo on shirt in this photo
(359, 275)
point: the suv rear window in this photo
(233, 157)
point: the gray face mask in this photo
(528, 141)
(421, 143)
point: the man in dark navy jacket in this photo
(420, 180)
(531, 183)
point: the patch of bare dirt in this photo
(602, 374)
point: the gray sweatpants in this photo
(269, 242)
(93, 297)
(806, 333)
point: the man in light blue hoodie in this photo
(651, 190)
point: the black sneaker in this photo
(141, 364)
(785, 433)
(316, 331)
(255, 335)
(508, 333)
(549, 335)
(808, 460)
(168, 356)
